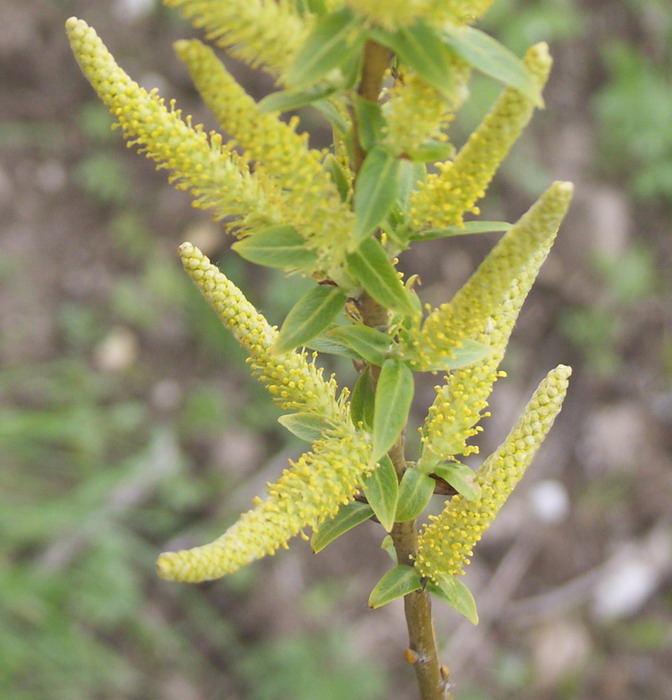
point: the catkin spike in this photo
(295, 383)
(212, 172)
(310, 491)
(446, 196)
(447, 542)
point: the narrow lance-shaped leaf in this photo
(421, 48)
(415, 490)
(377, 189)
(328, 46)
(348, 516)
(362, 401)
(370, 266)
(465, 229)
(332, 346)
(370, 122)
(381, 489)
(277, 246)
(311, 314)
(306, 426)
(394, 394)
(396, 583)
(451, 590)
(492, 58)
(284, 101)
(371, 344)
(459, 476)
(338, 176)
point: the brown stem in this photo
(376, 61)
(417, 605)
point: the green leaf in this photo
(338, 176)
(376, 190)
(468, 228)
(328, 46)
(431, 151)
(470, 353)
(348, 516)
(367, 342)
(318, 7)
(327, 109)
(331, 346)
(492, 58)
(381, 488)
(396, 583)
(285, 100)
(387, 545)
(362, 401)
(311, 314)
(411, 174)
(421, 48)
(452, 591)
(459, 476)
(394, 394)
(277, 246)
(370, 266)
(370, 122)
(307, 426)
(415, 490)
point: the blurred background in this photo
(129, 424)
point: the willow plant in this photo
(388, 77)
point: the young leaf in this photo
(311, 314)
(421, 48)
(415, 490)
(411, 174)
(370, 266)
(452, 591)
(318, 7)
(307, 426)
(348, 516)
(371, 344)
(338, 177)
(459, 476)
(376, 191)
(394, 394)
(362, 401)
(466, 229)
(284, 101)
(387, 545)
(431, 151)
(331, 346)
(396, 583)
(370, 122)
(381, 489)
(470, 353)
(328, 110)
(277, 246)
(492, 58)
(329, 45)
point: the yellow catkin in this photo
(515, 261)
(390, 14)
(216, 176)
(311, 201)
(264, 33)
(469, 312)
(416, 111)
(447, 542)
(295, 383)
(446, 196)
(456, 12)
(310, 491)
